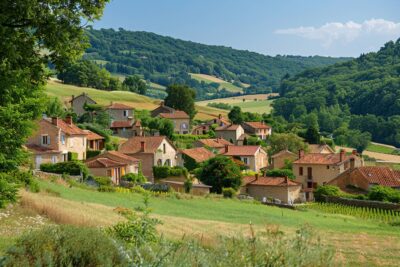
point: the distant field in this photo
(211, 79)
(64, 93)
(380, 148)
(249, 105)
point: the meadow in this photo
(222, 84)
(248, 103)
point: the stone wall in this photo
(49, 175)
(363, 203)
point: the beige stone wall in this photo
(118, 114)
(320, 173)
(79, 102)
(279, 162)
(169, 154)
(259, 192)
(38, 159)
(147, 160)
(77, 144)
(178, 126)
(227, 135)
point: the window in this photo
(159, 162)
(126, 112)
(245, 161)
(109, 173)
(63, 139)
(164, 149)
(167, 163)
(45, 140)
(327, 167)
(301, 171)
(54, 159)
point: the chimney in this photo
(162, 103)
(68, 120)
(342, 153)
(301, 153)
(226, 148)
(142, 146)
(54, 120)
(286, 180)
(219, 116)
(354, 152)
(256, 176)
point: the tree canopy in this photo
(181, 97)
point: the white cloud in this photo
(346, 32)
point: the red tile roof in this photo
(242, 150)
(119, 106)
(269, 181)
(283, 152)
(380, 175)
(70, 129)
(317, 158)
(92, 136)
(103, 163)
(258, 125)
(199, 154)
(116, 156)
(121, 124)
(214, 142)
(177, 114)
(133, 145)
(41, 149)
(231, 127)
(319, 148)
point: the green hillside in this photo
(164, 60)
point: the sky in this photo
(285, 27)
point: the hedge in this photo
(68, 167)
(92, 153)
(161, 172)
(72, 156)
(156, 187)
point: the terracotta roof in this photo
(283, 152)
(116, 156)
(199, 154)
(242, 150)
(121, 124)
(315, 148)
(214, 142)
(177, 114)
(70, 129)
(195, 185)
(269, 181)
(92, 136)
(133, 145)
(230, 127)
(41, 149)
(103, 163)
(258, 125)
(119, 106)
(379, 175)
(217, 119)
(317, 158)
(83, 94)
(137, 123)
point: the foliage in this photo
(156, 187)
(352, 138)
(72, 156)
(281, 173)
(135, 178)
(102, 180)
(220, 172)
(384, 193)
(68, 167)
(228, 192)
(166, 128)
(64, 246)
(188, 184)
(54, 108)
(289, 141)
(220, 105)
(181, 97)
(326, 190)
(135, 84)
(92, 153)
(106, 188)
(235, 115)
(189, 163)
(312, 135)
(8, 192)
(160, 172)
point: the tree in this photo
(236, 115)
(312, 135)
(54, 108)
(135, 84)
(220, 172)
(181, 97)
(289, 141)
(166, 127)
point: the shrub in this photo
(68, 167)
(102, 180)
(135, 178)
(383, 193)
(156, 187)
(64, 246)
(326, 190)
(281, 173)
(160, 172)
(72, 156)
(92, 153)
(188, 184)
(138, 189)
(228, 192)
(178, 171)
(8, 192)
(106, 188)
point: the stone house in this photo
(220, 121)
(259, 129)
(316, 169)
(217, 145)
(180, 119)
(151, 151)
(233, 133)
(94, 141)
(363, 178)
(201, 129)
(112, 164)
(161, 109)
(278, 160)
(254, 157)
(77, 103)
(53, 140)
(122, 129)
(268, 188)
(193, 157)
(120, 112)
(198, 188)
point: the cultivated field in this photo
(64, 93)
(375, 155)
(222, 84)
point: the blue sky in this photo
(286, 27)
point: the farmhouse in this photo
(278, 160)
(190, 158)
(112, 164)
(216, 144)
(259, 129)
(254, 157)
(180, 119)
(201, 129)
(365, 177)
(94, 141)
(122, 128)
(120, 112)
(220, 121)
(232, 132)
(78, 103)
(161, 109)
(53, 140)
(151, 151)
(272, 188)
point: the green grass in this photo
(380, 149)
(260, 107)
(222, 84)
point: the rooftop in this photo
(119, 106)
(269, 181)
(177, 114)
(315, 148)
(199, 154)
(116, 156)
(41, 149)
(214, 142)
(121, 124)
(241, 150)
(92, 136)
(103, 163)
(257, 125)
(318, 158)
(68, 128)
(230, 127)
(379, 175)
(283, 152)
(134, 144)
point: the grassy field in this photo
(64, 93)
(374, 147)
(252, 103)
(222, 84)
(357, 242)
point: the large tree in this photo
(236, 115)
(135, 84)
(289, 141)
(181, 97)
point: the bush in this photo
(156, 187)
(178, 171)
(281, 173)
(160, 172)
(92, 153)
(8, 192)
(102, 180)
(64, 246)
(383, 193)
(188, 184)
(68, 167)
(106, 188)
(72, 156)
(326, 190)
(134, 178)
(228, 192)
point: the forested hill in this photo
(369, 84)
(164, 60)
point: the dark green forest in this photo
(165, 60)
(361, 95)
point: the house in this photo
(78, 103)
(320, 148)
(94, 141)
(220, 121)
(201, 129)
(120, 112)
(53, 140)
(151, 151)
(232, 132)
(264, 188)
(216, 144)
(278, 159)
(198, 188)
(315, 169)
(122, 128)
(254, 157)
(190, 158)
(112, 164)
(161, 109)
(180, 119)
(363, 178)
(259, 129)
(137, 128)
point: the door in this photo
(38, 161)
(309, 173)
